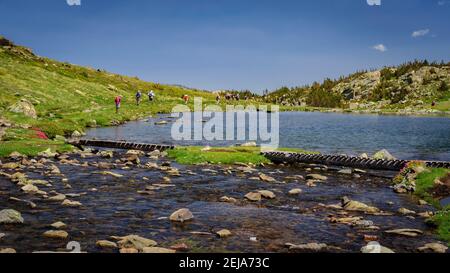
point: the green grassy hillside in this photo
(67, 97)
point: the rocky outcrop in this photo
(25, 107)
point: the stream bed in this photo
(140, 198)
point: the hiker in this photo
(218, 99)
(138, 97)
(118, 100)
(185, 98)
(151, 95)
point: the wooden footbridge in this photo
(277, 157)
(121, 145)
(346, 161)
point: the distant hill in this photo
(412, 85)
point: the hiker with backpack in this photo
(138, 97)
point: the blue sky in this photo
(231, 44)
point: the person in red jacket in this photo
(118, 101)
(186, 99)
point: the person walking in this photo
(218, 99)
(186, 99)
(151, 95)
(138, 97)
(118, 101)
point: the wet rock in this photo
(19, 178)
(365, 224)
(58, 225)
(423, 202)
(405, 232)
(163, 122)
(370, 238)
(180, 247)
(29, 203)
(155, 153)
(135, 152)
(295, 191)
(310, 247)
(426, 214)
(376, 248)
(346, 171)
(317, 177)
(56, 234)
(223, 233)
(157, 250)
(267, 178)
(54, 170)
(294, 177)
(128, 251)
(107, 154)
(57, 198)
(400, 189)
(7, 251)
(364, 156)
(104, 165)
(32, 189)
(344, 220)
(16, 156)
(11, 166)
(116, 175)
(405, 211)
(133, 158)
(48, 153)
(2, 235)
(72, 204)
(246, 169)
(267, 194)
(227, 199)
(433, 247)
(168, 164)
(181, 215)
(311, 183)
(253, 196)
(106, 244)
(384, 155)
(134, 241)
(351, 205)
(10, 216)
(151, 165)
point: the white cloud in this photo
(374, 2)
(443, 2)
(419, 33)
(73, 2)
(380, 47)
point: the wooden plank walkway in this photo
(346, 161)
(121, 145)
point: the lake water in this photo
(424, 138)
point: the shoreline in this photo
(113, 122)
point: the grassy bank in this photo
(427, 189)
(221, 155)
